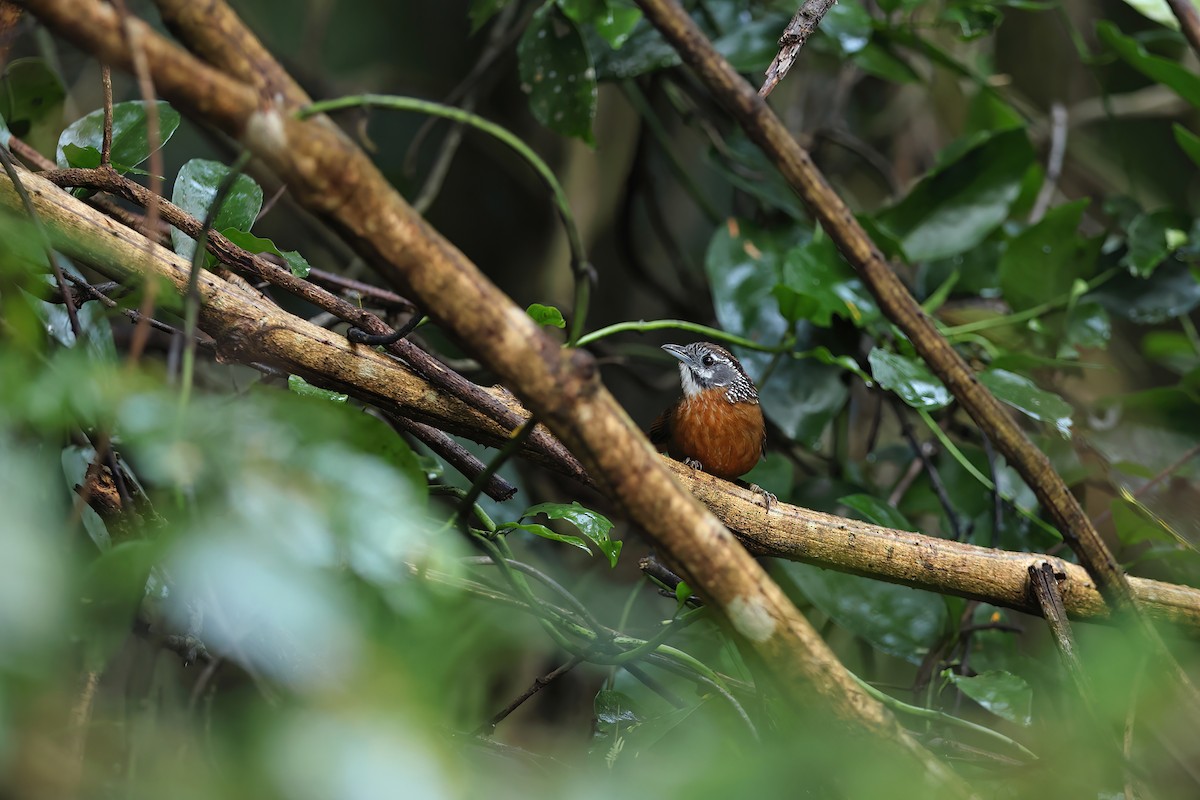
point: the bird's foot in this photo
(694, 464)
(767, 497)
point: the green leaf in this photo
(594, 527)
(546, 315)
(877, 511)
(1171, 74)
(483, 10)
(612, 19)
(196, 188)
(910, 379)
(1188, 142)
(545, 533)
(750, 46)
(303, 388)
(1024, 395)
(895, 619)
(956, 205)
(1152, 237)
(682, 593)
(31, 101)
(248, 241)
(615, 709)
(557, 74)
(1172, 290)
(129, 140)
(1006, 695)
(743, 264)
(1045, 259)
(826, 356)
(82, 157)
(1088, 325)
(818, 284)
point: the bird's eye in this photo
(708, 360)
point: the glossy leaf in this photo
(196, 188)
(1025, 396)
(545, 533)
(613, 708)
(1171, 74)
(818, 284)
(614, 20)
(898, 620)
(557, 74)
(594, 527)
(744, 263)
(303, 388)
(955, 206)
(1157, 10)
(129, 140)
(848, 26)
(910, 379)
(1006, 695)
(248, 241)
(1151, 238)
(1045, 259)
(877, 511)
(1172, 290)
(546, 315)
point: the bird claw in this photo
(694, 464)
(767, 497)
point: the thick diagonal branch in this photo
(797, 167)
(333, 178)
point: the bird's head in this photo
(704, 365)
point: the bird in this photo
(717, 426)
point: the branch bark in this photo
(332, 177)
(794, 163)
(250, 329)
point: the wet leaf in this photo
(910, 379)
(129, 140)
(298, 265)
(1025, 396)
(956, 205)
(1004, 694)
(1045, 259)
(196, 188)
(594, 527)
(557, 74)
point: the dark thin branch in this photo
(1105, 515)
(455, 455)
(802, 26)
(257, 267)
(376, 296)
(539, 683)
(935, 478)
(1044, 583)
(106, 136)
(60, 281)
(141, 69)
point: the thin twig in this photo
(141, 69)
(804, 23)
(1054, 161)
(1045, 588)
(539, 683)
(106, 140)
(1105, 515)
(454, 454)
(935, 478)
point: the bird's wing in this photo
(660, 429)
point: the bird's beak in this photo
(678, 351)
